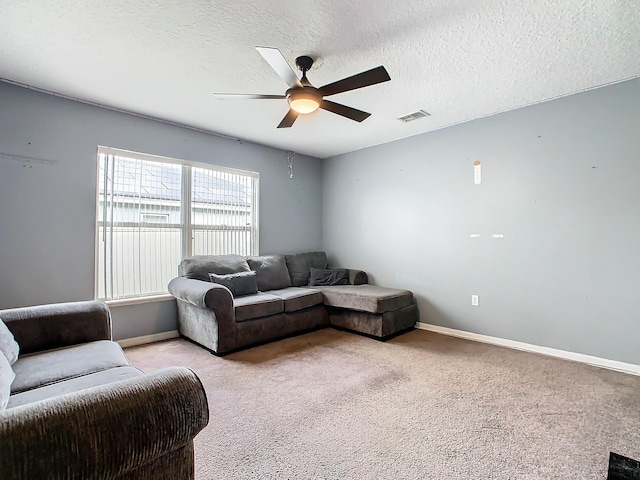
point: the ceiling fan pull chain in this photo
(290, 156)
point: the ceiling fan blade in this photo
(274, 57)
(349, 112)
(288, 119)
(245, 96)
(364, 79)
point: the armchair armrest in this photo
(45, 327)
(105, 431)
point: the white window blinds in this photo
(154, 211)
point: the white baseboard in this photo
(156, 337)
(527, 347)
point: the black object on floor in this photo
(623, 468)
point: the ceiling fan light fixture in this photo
(304, 102)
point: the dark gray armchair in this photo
(83, 412)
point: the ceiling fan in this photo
(303, 97)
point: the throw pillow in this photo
(241, 283)
(8, 345)
(331, 276)
(271, 272)
(199, 266)
(6, 377)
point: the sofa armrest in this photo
(44, 327)
(201, 294)
(105, 431)
(206, 313)
(358, 277)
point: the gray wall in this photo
(47, 210)
(560, 181)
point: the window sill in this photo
(140, 300)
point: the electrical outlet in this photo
(474, 300)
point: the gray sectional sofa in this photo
(71, 405)
(228, 302)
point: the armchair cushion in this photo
(8, 344)
(240, 284)
(33, 371)
(271, 272)
(73, 385)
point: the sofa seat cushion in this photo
(39, 369)
(73, 385)
(258, 305)
(296, 298)
(366, 298)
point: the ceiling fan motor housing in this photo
(304, 63)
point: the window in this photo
(154, 211)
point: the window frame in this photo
(186, 226)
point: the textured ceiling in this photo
(456, 59)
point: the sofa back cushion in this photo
(240, 284)
(271, 272)
(200, 266)
(300, 265)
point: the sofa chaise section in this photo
(379, 312)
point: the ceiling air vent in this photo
(414, 116)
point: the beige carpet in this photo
(334, 405)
